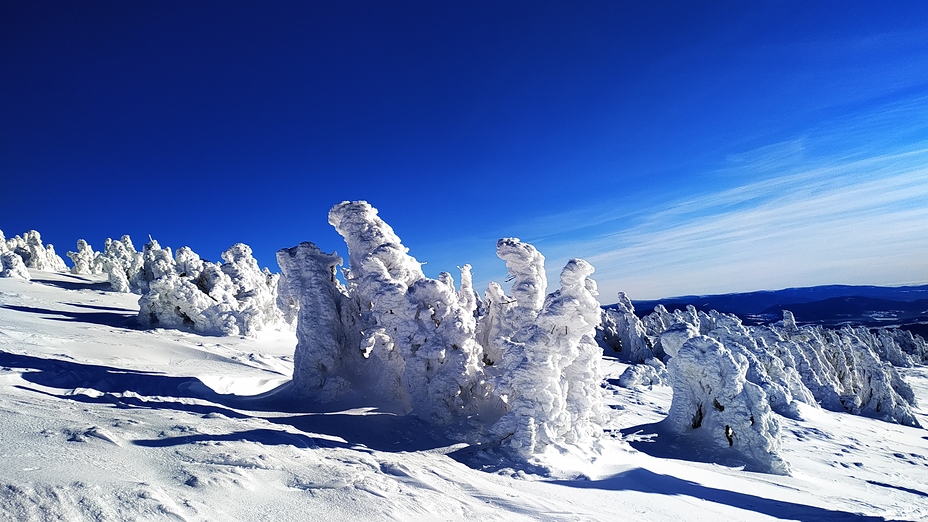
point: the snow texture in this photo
(714, 402)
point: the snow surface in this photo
(101, 419)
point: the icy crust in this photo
(521, 372)
(714, 402)
(230, 298)
(851, 369)
(31, 253)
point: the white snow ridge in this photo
(156, 385)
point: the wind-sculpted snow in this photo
(715, 404)
(32, 253)
(521, 371)
(230, 298)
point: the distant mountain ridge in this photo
(830, 305)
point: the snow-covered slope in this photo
(103, 420)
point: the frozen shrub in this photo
(11, 265)
(844, 373)
(715, 404)
(120, 262)
(231, 298)
(651, 373)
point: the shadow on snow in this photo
(369, 428)
(646, 481)
(128, 321)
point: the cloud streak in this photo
(859, 222)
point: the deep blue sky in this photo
(694, 148)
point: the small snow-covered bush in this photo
(651, 373)
(11, 265)
(120, 262)
(714, 402)
(83, 260)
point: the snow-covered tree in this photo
(83, 259)
(624, 335)
(419, 330)
(549, 375)
(230, 298)
(34, 254)
(328, 352)
(120, 262)
(715, 404)
(527, 365)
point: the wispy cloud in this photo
(861, 222)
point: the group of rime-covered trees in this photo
(521, 370)
(728, 378)
(178, 290)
